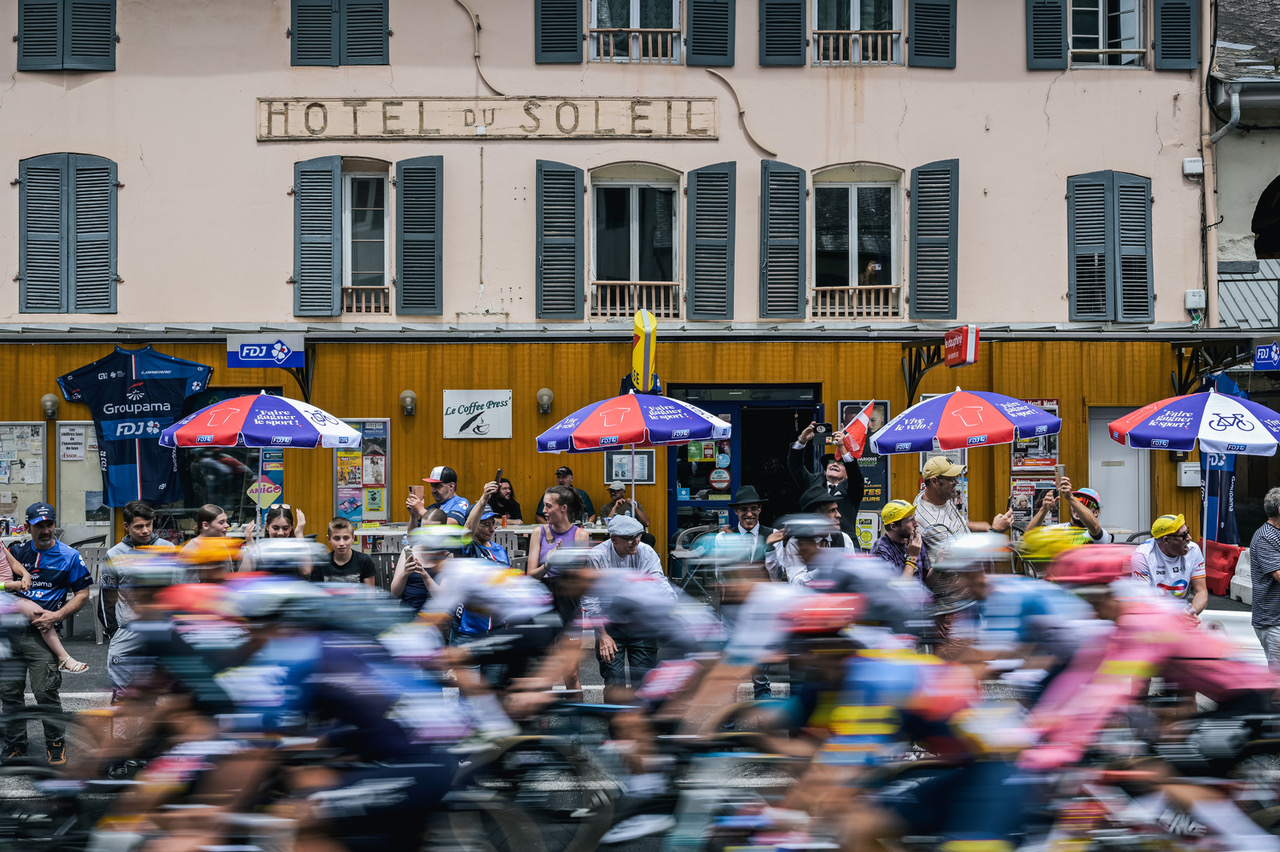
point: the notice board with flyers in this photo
(360, 474)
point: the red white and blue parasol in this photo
(962, 420)
(1222, 423)
(260, 420)
(637, 419)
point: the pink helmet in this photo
(1092, 565)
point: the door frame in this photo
(1108, 413)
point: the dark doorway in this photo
(767, 434)
(1266, 223)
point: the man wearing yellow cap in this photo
(1172, 563)
(901, 545)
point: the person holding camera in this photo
(843, 482)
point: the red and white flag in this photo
(855, 432)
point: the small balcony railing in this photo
(366, 300)
(857, 47)
(636, 45)
(864, 303)
(621, 299)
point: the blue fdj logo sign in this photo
(977, 439)
(902, 448)
(126, 430)
(1267, 356)
(1157, 443)
(1236, 448)
(284, 351)
(279, 439)
(610, 440)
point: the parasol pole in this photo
(633, 480)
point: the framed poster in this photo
(1040, 452)
(617, 465)
(875, 467)
(360, 478)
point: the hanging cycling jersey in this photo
(133, 395)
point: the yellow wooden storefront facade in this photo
(355, 379)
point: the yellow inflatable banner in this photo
(643, 342)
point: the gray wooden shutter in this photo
(710, 36)
(935, 224)
(559, 241)
(782, 239)
(1089, 271)
(315, 33)
(712, 194)
(557, 31)
(1135, 293)
(783, 40)
(42, 233)
(317, 264)
(931, 33)
(1177, 39)
(1046, 34)
(419, 201)
(363, 30)
(39, 35)
(89, 35)
(91, 254)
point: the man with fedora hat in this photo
(747, 505)
(842, 482)
(791, 556)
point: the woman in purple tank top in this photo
(560, 504)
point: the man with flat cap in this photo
(842, 481)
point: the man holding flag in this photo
(841, 474)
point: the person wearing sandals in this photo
(60, 585)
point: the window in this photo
(66, 35)
(857, 32)
(67, 241)
(365, 218)
(340, 32)
(1109, 240)
(857, 232)
(343, 236)
(635, 31)
(1106, 32)
(634, 245)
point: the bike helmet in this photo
(286, 556)
(974, 552)
(275, 598)
(566, 560)
(1044, 544)
(151, 567)
(194, 598)
(210, 552)
(360, 609)
(438, 537)
(808, 526)
(823, 615)
(1095, 565)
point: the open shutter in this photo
(92, 252)
(559, 242)
(1089, 272)
(712, 194)
(1135, 294)
(42, 226)
(363, 29)
(39, 35)
(315, 32)
(782, 32)
(935, 222)
(1177, 35)
(419, 201)
(317, 264)
(931, 33)
(711, 32)
(89, 35)
(557, 31)
(1046, 34)
(782, 233)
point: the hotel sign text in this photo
(295, 119)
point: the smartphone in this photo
(417, 490)
(497, 477)
(822, 429)
(1059, 471)
(876, 267)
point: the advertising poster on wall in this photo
(1041, 452)
(1025, 494)
(361, 474)
(875, 467)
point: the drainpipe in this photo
(1209, 154)
(1234, 91)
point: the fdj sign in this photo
(256, 350)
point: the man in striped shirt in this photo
(1264, 564)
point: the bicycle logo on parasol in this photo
(1223, 422)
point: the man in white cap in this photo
(938, 517)
(624, 552)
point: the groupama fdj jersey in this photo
(134, 394)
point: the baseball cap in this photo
(442, 474)
(896, 510)
(1163, 526)
(625, 526)
(942, 466)
(617, 485)
(1088, 494)
(487, 514)
(38, 512)
(564, 471)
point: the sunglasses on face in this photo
(635, 537)
(1180, 536)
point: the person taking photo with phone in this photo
(842, 481)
